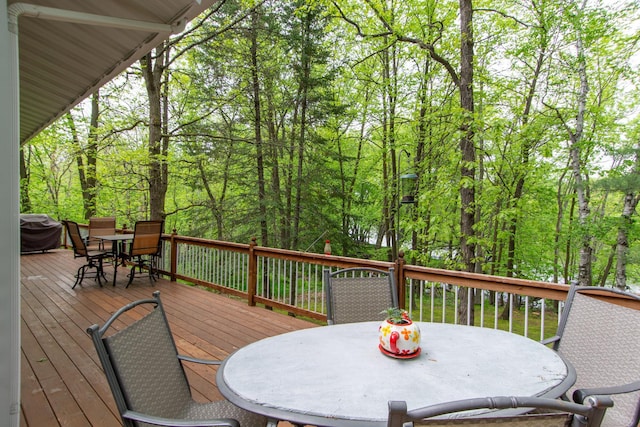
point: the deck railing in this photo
(292, 281)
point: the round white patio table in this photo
(337, 376)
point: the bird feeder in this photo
(408, 187)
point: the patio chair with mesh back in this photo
(144, 248)
(359, 294)
(601, 339)
(94, 258)
(100, 226)
(543, 412)
(147, 377)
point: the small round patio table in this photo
(115, 239)
(337, 376)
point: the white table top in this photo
(336, 375)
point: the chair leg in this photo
(132, 273)
(100, 272)
(155, 261)
(90, 265)
(152, 269)
(140, 264)
(79, 277)
(82, 271)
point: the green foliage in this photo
(352, 95)
(396, 315)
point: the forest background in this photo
(299, 121)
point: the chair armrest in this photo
(196, 360)
(581, 394)
(550, 340)
(160, 421)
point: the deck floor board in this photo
(62, 383)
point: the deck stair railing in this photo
(292, 281)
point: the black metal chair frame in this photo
(537, 411)
(94, 258)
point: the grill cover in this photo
(39, 232)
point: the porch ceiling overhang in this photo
(69, 48)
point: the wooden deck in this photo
(61, 379)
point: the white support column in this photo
(9, 226)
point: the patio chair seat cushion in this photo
(221, 409)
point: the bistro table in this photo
(115, 248)
(336, 375)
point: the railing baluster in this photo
(433, 301)
(510, 312)
(455, 305)
(526, 316)
(495, 310)
(469, 302)
(421, 289)
(481, 307)
(278, 282)
(542, 317)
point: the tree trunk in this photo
(215, 204)
(423, 136)
(274, 153)
(467, 149)
(257, 125)
(389, 166)
(607, 268)
(91, 152)
(305, 62)
(87, 171)
(622, 242)
(558, 229)
(153, 67)
(581, 184)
